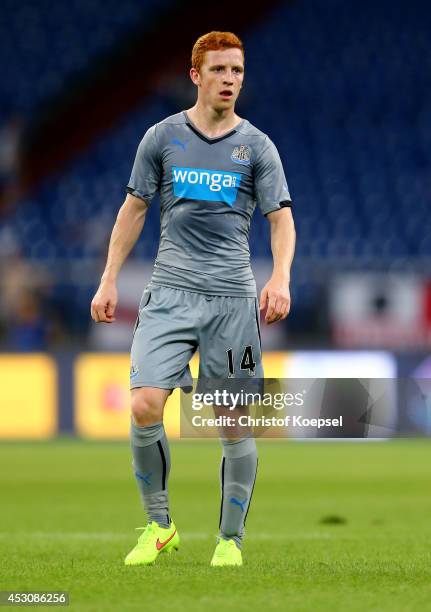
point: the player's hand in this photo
(276, 295)
(104, 303)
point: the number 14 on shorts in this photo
(247, 361)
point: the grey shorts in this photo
(172, 324)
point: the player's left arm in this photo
(276, 292)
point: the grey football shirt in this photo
(208, 192)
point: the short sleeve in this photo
(146, 173)
(270, 185)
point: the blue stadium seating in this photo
(43, 42)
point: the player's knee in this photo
(146, 410)
(240, 447)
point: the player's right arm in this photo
(126, 231)
(142, 187)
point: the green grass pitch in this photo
(333, 526)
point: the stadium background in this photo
(343, 89)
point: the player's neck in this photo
(211, 122)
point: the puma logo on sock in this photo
(145, 478)
(237, 502)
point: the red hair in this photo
(214, 41)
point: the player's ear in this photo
(195, 77)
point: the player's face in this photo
(220, 78)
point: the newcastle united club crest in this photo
(241, 155)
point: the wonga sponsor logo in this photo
(208, 185)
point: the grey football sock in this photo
(151, 465)
(237, 475)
